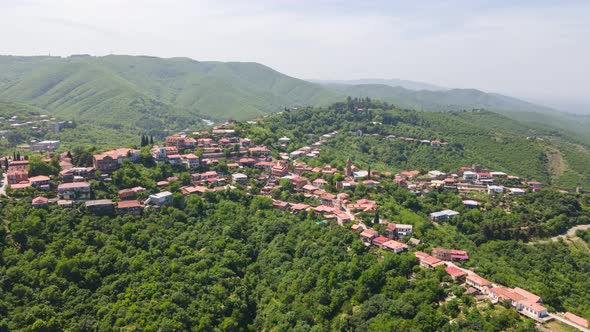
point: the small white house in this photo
(163, 198)
(403, 229)
(469, 175)
(240, 178)
(443, 215)
(495, 190)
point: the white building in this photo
(163, 198)
(45, 146)
(190, 161)
(469, 175)
(240, 178)
(403, 229)
(495, 190)
(443, 215)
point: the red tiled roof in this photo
(20, 185)
(40, 200)
(455, 272)
(39, 178)
(380, 239)
(369, 232)
(115, 154)
(479, 280)
(430, 260)
(73, 185)
(128, 204)
(299, 207)
(533, 305)
(576, 319)
(395, 245)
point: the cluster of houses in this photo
(466, 180)
(388, 240)
(525, 302)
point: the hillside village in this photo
(319, 192)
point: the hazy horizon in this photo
(535, 50)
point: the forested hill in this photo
(483, 137)
(125, 89)
(153, 93)
(467, 99)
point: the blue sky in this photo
(534, 49)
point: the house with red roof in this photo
(296, 208)
(328, 199)
(41, 181)
(319, 182)
(126, 194)
(428, 261)
(576, 319)
(450, 255)
(18, 164)
(380, 240)
(17, 175)
(40, 202)
(279, 170)
(281, 205)
(298, 182)
(74, 191)
(456, 273)
(478, 282)
(395, 246)
(67, 175)
(110, 161)
(132, 207)
(369, 234)
(534, 309)
(190, 190)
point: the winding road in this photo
(571, 232)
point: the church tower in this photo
(348, 171)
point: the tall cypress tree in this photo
(151, 140)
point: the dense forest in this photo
(229, 261)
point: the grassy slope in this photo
(112, 86)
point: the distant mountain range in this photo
(150, 93)
(394, 82)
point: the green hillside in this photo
(483, 137)
(149, 92)
(155, 95)
(467, 99)
(128, 89)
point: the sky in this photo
(538, 50)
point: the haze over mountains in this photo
(156, 93)
(394, 82)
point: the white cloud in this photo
(530, 49)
